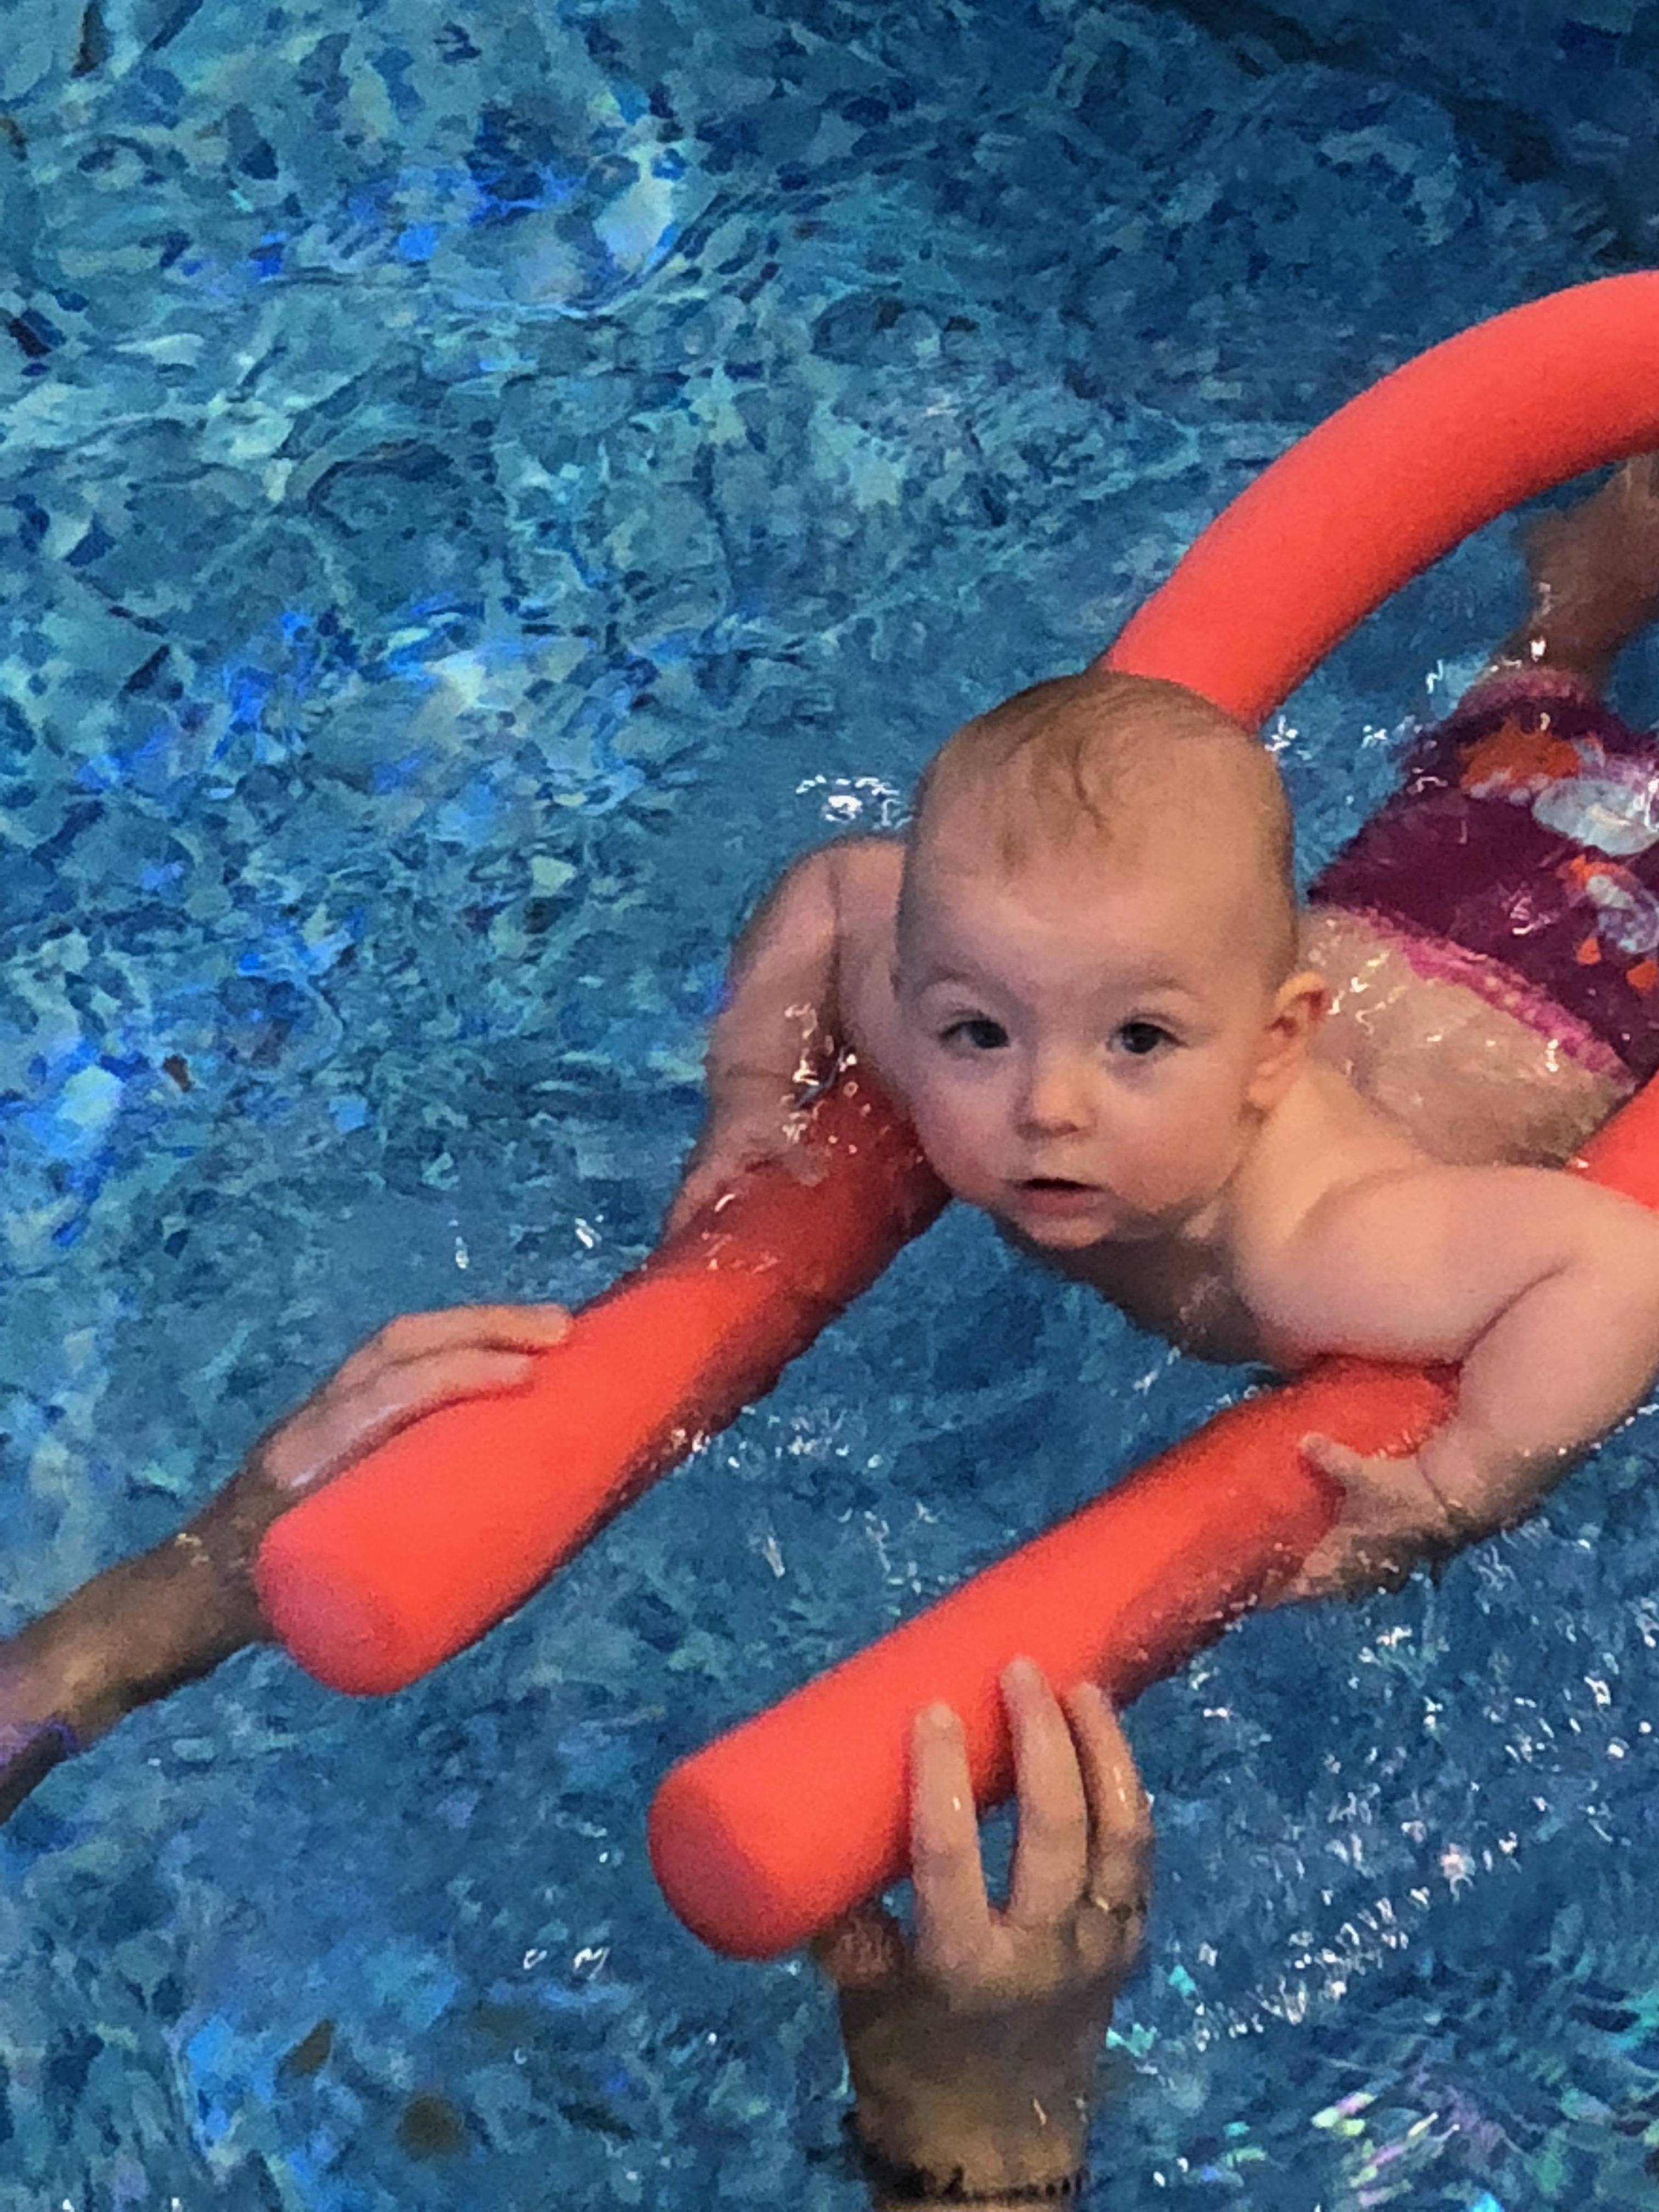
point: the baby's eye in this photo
(979, 1033)
(1140, 1038)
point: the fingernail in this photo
(937, 1719)
(1022, 1674)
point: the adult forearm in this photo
(1056, 2195)
(892, 2188)
(997, 2118)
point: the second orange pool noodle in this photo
(771, 1832)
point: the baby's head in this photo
(1097, 957)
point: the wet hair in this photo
(1108, 760)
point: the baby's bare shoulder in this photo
(868, 872)
(1415, 1260)
(1323, 1139)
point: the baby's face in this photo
(1084, 1044)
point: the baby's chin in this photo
(1060, 1223)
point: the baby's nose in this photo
(1055, 1101)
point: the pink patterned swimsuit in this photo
(1520, 857)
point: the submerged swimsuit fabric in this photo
(1520, 857)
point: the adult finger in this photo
(1120, 1816)
(1051, 1850)
(493, 1328)
(953, 1913)
(343, 1424)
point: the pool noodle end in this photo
(764, 1836)
(416, 1550)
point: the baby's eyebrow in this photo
(950, 979)
(1162, 986)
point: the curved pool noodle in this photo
(414, 1552)
(1395, 479)
(771, 1832)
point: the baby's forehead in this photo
(1090, 779)
(1136, 814)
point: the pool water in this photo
(485, 485)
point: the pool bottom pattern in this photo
(485, 489)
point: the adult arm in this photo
(150, 1623)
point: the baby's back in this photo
(1471, 1085)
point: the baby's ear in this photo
(1300, 1005)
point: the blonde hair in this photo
(1108, 758)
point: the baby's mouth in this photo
(1045, 1192)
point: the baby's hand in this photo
(733, 1145)
(1392, 1517)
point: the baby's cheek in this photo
(1191, 1154)
(953, 1140)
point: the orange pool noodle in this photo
(416, 1550)
(1394, 480)
(769, 1832)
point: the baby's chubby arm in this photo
(1544, 1287)
(787, 1012)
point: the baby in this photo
(1269, 1135)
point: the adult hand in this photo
(413, 1366)
(409, 1369)
(147, 1624)
(973, 2047)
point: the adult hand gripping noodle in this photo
(416, 1550)
(413, 1553)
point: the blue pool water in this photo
(483, 486)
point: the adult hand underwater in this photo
(974, 2047)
